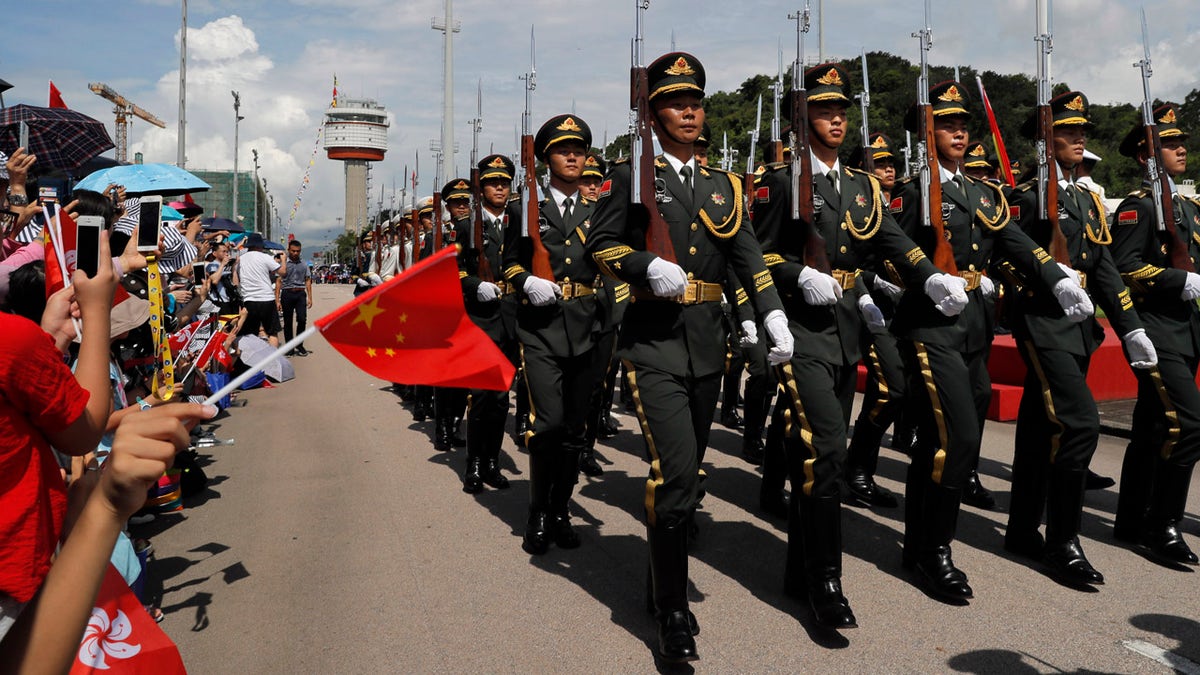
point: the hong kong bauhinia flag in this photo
(414, 329)
(122, 639)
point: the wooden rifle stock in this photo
(943, 253)
(485, 265)
(532, 224)
(1049, 187)
(417, 243)
(1177, 248)
(802, 186)
(658, 233)
(400, 240)
(437, 221)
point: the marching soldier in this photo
(492, 305)
(826, 310)
(1166, 420)
(556, 325)
(883, 397)
(612, 299)
(423, 246)
(1058, 425)
(945, 356)
(672, 340)
(976, 162)
(451, 402)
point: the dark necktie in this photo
(833, 180)
(685, 176)
(961, 184)
(567, 211)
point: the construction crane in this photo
(124, 108)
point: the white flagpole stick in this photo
(53, 229)
(195, 361)
(237, 381)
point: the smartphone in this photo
(23, 141)
(87, 244)
(149, 222)
(198, 275)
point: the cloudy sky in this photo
(282, 56)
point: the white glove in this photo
(987, 286)
(541, 292)
(667, 280)
(948, 292)
(819, 288)
(1140, 349)
(749, 334)
(776, 325)
(887, 288)
(1074, 300)
(487, 291)
(1191, 286)
(375, 280)
(1070, 272)
(871, 313)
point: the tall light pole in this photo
(266, 230)
(237, 118)
(448, 26)
(180, 154)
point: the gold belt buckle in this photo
(568, 290)
(972, 279)
(691, 294)
(845, 279)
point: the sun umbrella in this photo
(169, 213)
(273, 245)
(61, 138)
(145, 179)
(218, 224)
(256, 350)
(187, 208)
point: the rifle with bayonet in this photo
(1160, 182)
(749, 177)
(485, 266)
(530, 216)
(1047, 164)
(802, 178)
(864, 104)
(642, 188)
(928, 168)
(776, 153)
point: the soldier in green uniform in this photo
(826, 309)
(423, 406)
(1058, 425)
(556, 326)
(945, 356)
(451, 402)
(491, 304)
(672, 340)
(1166, 419)
(883, 396)
(612, 298)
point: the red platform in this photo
(1109, 375)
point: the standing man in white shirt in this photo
(255, 276)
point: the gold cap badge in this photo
(497, 163)
(1076, 104)
(591, 161)
(831, 78)
(569, 125)
(1168, 118)
(879, 142)
(978, 151)
(461, 185)
(680, 67)
(951, 94)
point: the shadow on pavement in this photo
(991, 661)
(1183, 630)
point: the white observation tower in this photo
(356, 133)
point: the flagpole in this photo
(216, 332)
(240, 379)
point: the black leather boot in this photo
(774, 467)
(934, 562)
(669, 577)
(914, 513)
(1028, 497)
(565, 465)
(862, 459)
(821, 519)
(537, 535)
(974, 494)
(491, 475)
(1133, 497)
(441, 434)
(862, 490)
(456, 437)
(472, 478)
(1162, 537)
(1063, 554)
(753, 421)
(588, 464)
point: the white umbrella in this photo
(255, 350)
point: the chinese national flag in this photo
(55, 280)
(414, 329)
(56, 99)
(121, 638)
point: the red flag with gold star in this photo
(414, 329)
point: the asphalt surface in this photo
(333, 538)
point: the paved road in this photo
(334, 539)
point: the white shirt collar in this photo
(822, 168)
(558, 197)
(678, 164)
(946, 175)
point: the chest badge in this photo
(818, 202)
(946, 209)
(718, 199)
(860, 200)
(543, 225)
(985, 202)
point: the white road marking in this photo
(1169, 659)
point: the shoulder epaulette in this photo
(775, 166)
(1139, 193)
(716, 169)
(851, 169)
(905, 181)
(622, 160)
(1024, 187)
